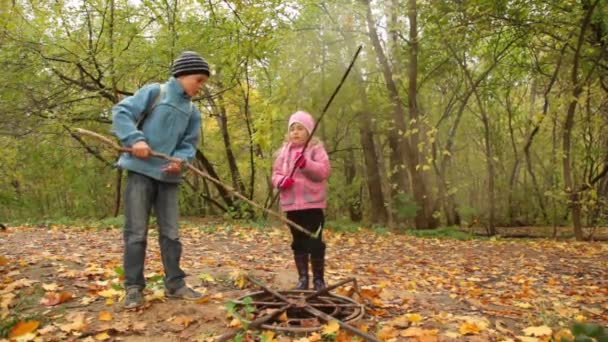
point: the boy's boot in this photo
(302, 266)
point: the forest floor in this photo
(63, 282)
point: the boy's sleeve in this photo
(186, 148)
(277, 170)
(317, 168)
(126, 113)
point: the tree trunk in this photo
(208, 167)
(424, 217)
(350, 172)
(569, 125)
(378, 212)
(222, 120)
(401, 151)
(374, 184)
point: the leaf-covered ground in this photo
(62, 283)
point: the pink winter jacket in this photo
(309, 190)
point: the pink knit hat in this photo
(304, 119)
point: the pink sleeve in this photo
(317, 167)
(277, 169)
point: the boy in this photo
(171, 126)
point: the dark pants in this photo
(141, 195)
(311, 220)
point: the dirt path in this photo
(414, 288)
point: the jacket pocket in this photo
(287, 197)
(314, 194)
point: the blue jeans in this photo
(141, 195)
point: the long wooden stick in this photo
(202, 174)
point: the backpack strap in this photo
(150, 108)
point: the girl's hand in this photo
(286, 183)
(300, 160)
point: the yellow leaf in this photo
(183, 320)
(240, 278)
(105, 316)
(78, 322)
(542, 330)
(387, 332)
(268, 335)
(523, 305)
(414, 318)
(109, 293)
(527, 339)
(23, 328)
(102, 336)
(314, 337)
(235, 323)
(206, 277)
(109, 301)
(331, 328)
(469, 327)
(50, 287)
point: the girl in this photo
(303, 196)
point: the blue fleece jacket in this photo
(172, 128)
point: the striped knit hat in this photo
(188, 63)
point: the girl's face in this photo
(297, 134)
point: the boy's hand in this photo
(141, 149)
(286, 183)
(300, 160)
(173, 167)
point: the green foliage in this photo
(406, 207)
(65, 64)
(587, 332)
(443, 232)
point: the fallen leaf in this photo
(283, 317)
(184, 320)
(268, 336)
(50, 287)
(469, 327)
(102, 336)
(542, 330)
(527, 339)
(414, 318)
(6, 301)
(235, 323)
(330, 328)
(47, 330)
(105, 316)
(206, 277)
(109, 293)
(418, 332)
(139, 326)
(203, 299)
(387, 332)
(23, 328)
(315, 337)
(78, 322)
(55, 298)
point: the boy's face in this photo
(297, 133)
(193, 83)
